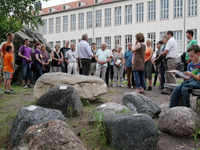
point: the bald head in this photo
(103, 46)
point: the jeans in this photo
(162, 74)
(183, 91)
(38, 69)
(139, 79)
(26, 71)
(101, 71)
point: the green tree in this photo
(16, 13)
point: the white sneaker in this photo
(113, 85)
(24, 86)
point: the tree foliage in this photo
(16, 13)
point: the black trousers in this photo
(84, 66)
(108, 73)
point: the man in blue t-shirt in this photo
(128, 65)
(193, 79)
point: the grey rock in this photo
(30, 116)
(88, 87)
(164, 107)
(178, 121)
(107, 109)
(64, 98)
(141, 104)
(131, 132)
(53, 135)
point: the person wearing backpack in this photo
(25, 54)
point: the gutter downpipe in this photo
(93, 40)
(184, 25)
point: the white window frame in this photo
(108, 42)
(51, 45)
(162, 34)
(58, 42)
(195, 34)
(44, 27)
(98, 14)
(81, 21)
(58, 24)
(178, 8)
(128, 39)
(192, 8)
(118, 41)
(65, 23)
(152, 37)
(90, 41)
(118, 15)
(73, 22)
(98, 43)
(51, 25)
(108, 17)
(73, 41)
(178, 36)
(151, 10)
(164, 8)
(139, 12)
(89, 19)
(128, 14)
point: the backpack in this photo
(18, 60)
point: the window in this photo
(164, 9)
(58, 25)
(98, 43)
(117, 41)
(45, 26)
(64, 41)
(81, 21)
(58, 42)
(195, 34)
(151, 10)
(73, 41)
(51, 45)
(128, 39)
(128, 12)
(96, 1)
(108, 42)
(51, 26)
(162, 34)
(73, 22)
(90, 41)
(98, 18)
(79, 4)
(50, 10)
(89, 20)
(152, 37)
(140, 12)
(178, 38)
(192, 7)
(117, 15)
(65, 23)
(178, 8)
(108, 17)
(64, 7)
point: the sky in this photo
(55, 2)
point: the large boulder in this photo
(131, 132)
(141, 104)
(179, 121)
(107, 109)
(29, 116)
(164, 107)
(88, 87)
(19, 38)
(50, 135)
(64, 98)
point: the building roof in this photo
(72, 5)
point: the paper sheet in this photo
(181, 74)
(31, 108)
(63, 87)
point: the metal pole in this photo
(184, 30)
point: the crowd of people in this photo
(139, 62)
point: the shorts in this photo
(7, 75)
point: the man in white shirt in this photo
(102, 58)
(72, 60)
(85, 54)
(171, 54)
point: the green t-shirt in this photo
(192, 42)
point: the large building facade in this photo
(116, 22)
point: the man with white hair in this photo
(102, 57)
(72, 60)
(85, 54)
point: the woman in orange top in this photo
(148, 63)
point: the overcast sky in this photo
(55, 2)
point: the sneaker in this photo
(29, 86)
(24, 86)
(114, 85)
(121, 85)
(149, 88)
(5, 92)
(10, 92)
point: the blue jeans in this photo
(162, 74)
(183, 91)
(38, 69)
(26, 71)
(139, 79)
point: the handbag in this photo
(18, 60)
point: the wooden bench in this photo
(195, 92)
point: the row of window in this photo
(178, 13)
(178, 35)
